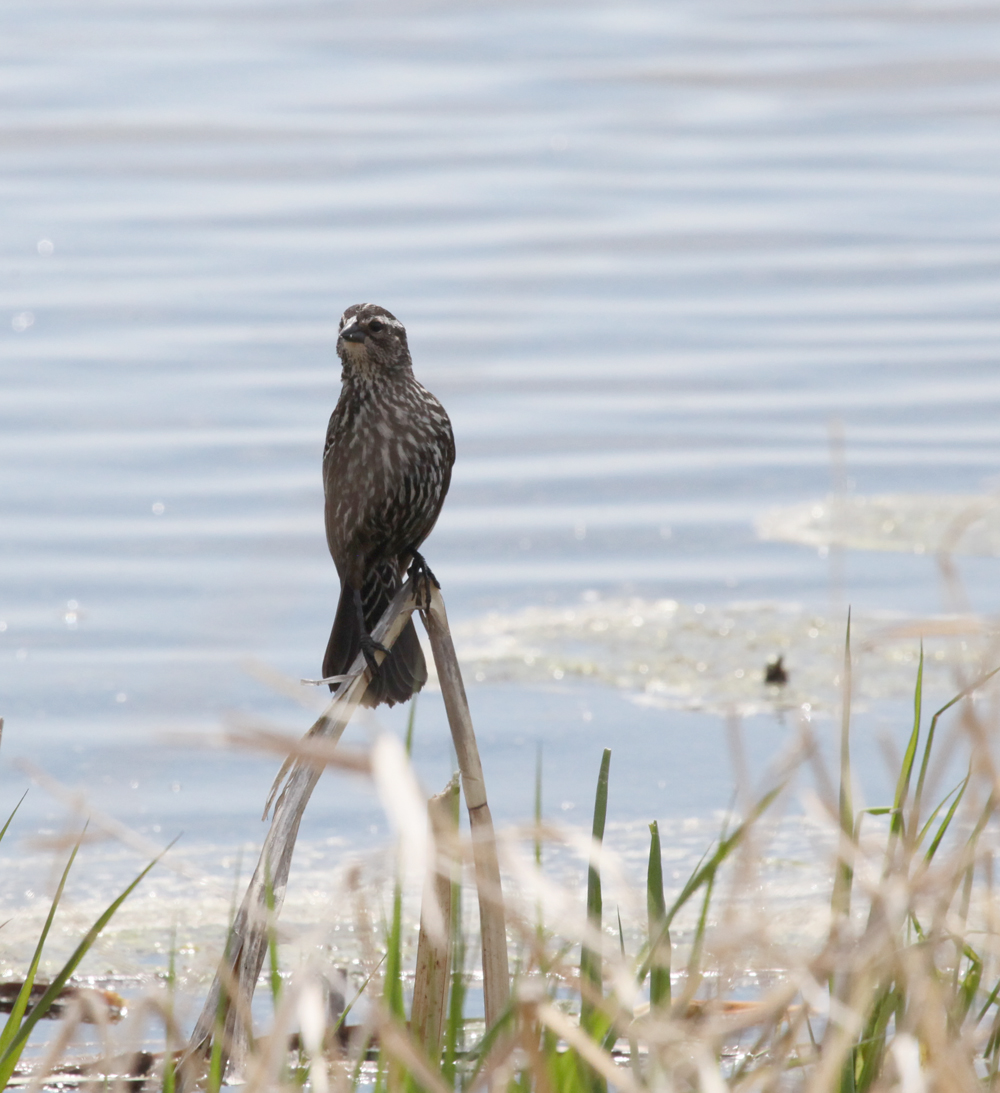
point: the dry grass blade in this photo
(112, 828)
(317, 751)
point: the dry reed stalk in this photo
(430, 982)
(227, 1005)
(492, 924)
(247, 945)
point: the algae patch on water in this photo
(699, 656)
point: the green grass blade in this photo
(867, 1057)
(393, 991)
(363, 1052)
(411, 720)
(659, 932)
(272, 937)
(929, 822)
(990, 1054)
(9, 1059)
(994, 994)
(3, 830)
(897, 826)
(538, 807)
(917, 928)
(590, 958)
(699, 936)
(216, 1060)
(844, 879)
(13, 1022)
(357, 994)
(539, 911)
(918, 795)
(968, 988)
(984, 818)
(705, 871)
(482, 1050)
(454, 1032)
(362, 1057)
(949, 816)
(214, 1080)
(592, 1021)
(169, 1072)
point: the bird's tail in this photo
(404, 670)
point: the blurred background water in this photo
(669, 266)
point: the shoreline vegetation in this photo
(899, 990)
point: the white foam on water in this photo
(911, 523)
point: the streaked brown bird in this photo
(386, 469)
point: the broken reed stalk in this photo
(225, 1016)
(431, 977)
(492, 923)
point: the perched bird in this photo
(386, 469)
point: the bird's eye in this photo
(375, 326)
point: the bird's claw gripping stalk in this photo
(369, 647)
(422, 576)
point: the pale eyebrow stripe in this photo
(380, 315)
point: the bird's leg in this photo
(422, 577)
(369, 646)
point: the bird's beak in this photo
(353, 333)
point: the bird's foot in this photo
(423, 578)
(369, 647)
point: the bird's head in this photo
(372, 342)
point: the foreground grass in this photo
(900, 991)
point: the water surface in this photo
(646, 255)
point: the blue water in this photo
(645, 254)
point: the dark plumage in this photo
(386, 470)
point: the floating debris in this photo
(775, 672)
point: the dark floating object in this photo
(775, 672)
(112, 1000)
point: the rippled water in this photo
(646, 254)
